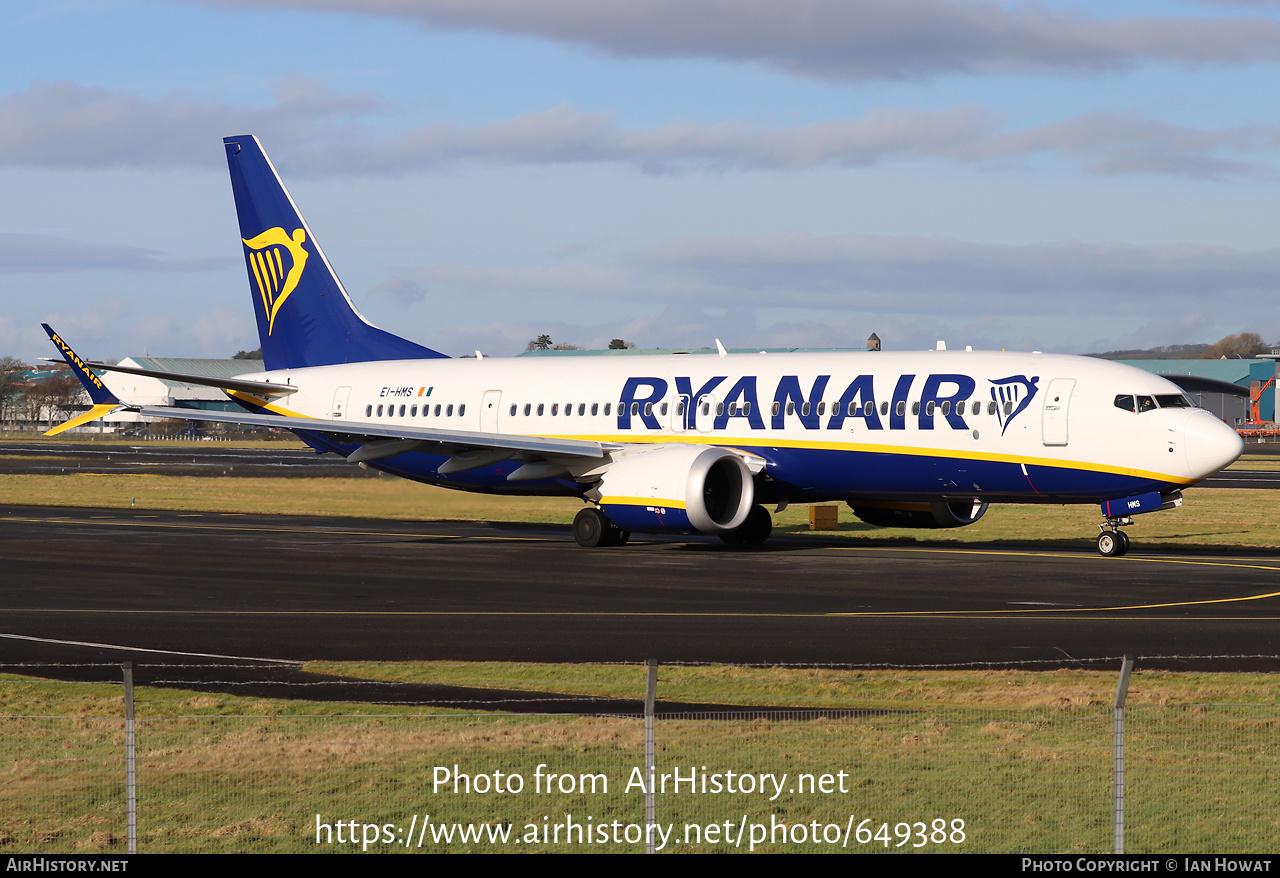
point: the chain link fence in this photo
(217, 772)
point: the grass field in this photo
(1229, 518)
(1225, 518)
(1022, 759)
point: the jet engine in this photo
(677, 487)
(955, 513)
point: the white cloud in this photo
(64, 125)
(838, 39)
(46, 253)
(904, 275)
(68, 125)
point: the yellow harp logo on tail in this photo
(276, 278)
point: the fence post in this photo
(1117, 750)
(650, 753)
(130, 763)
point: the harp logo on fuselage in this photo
(276, 260)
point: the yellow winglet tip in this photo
(91, 415)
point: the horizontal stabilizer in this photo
(257, 388)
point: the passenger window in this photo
(1008, 407)
(449, 412)
(791, 408)
(541, 408)
(733, 409)
(851, 408)
(664, 410)
(869, 409)
(776, 406)
(513, 410)
(462, 409)
(368, 411)
(822, 408)
(582, 408)
(746, 408)
(527, 407)
(635, 408)
(706, 408)
(959, 408)
(902, 407)
(680, 408)
(379, 411)
(555, 408)
(607, 406)
(884, 408)
(568, 410)
(946, 408)
(804, 410)
(595, 408)
(928, 409)
(648, 409)
(719, 409)
(915, 408)
(402, 411)
(991, 407)
(1125, 402)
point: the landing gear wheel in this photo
(591, 528)
(752, 532)
(1112, 543)
(620, 536)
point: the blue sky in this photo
(1055, 176)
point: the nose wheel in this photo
(1113, 542)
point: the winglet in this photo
(104, 401)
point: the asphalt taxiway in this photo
(173, 588)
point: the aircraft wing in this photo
(394, 439)
(466, 449)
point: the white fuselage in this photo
(986, 425)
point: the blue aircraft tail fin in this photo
(305, 317)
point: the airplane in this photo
(691, 443)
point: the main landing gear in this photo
(1113, 542)
(591, 528)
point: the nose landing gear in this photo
(1114, 542)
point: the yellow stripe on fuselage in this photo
(753, 446)
(641, 501)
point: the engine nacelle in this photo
(957, 513)
(677, 487)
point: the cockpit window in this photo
(1145, 404)
(1173, 401)
(1124, 402)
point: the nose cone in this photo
(1211, 445)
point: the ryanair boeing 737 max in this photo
(693, 443)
